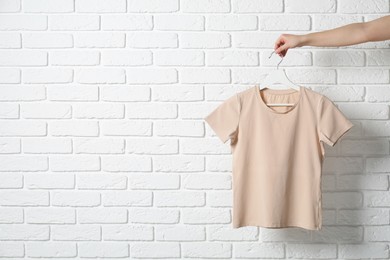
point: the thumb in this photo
(282, 49)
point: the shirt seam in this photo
(239, 111)
(318, 117)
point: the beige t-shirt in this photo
(278, 154)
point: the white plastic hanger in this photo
(274, 79)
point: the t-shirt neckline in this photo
(280, 91)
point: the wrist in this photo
(303, 40)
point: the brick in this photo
(365, 250)
(126, 58)
(205, 40)
(148, 110)
(254, 6)
(12, 249)
(363, 76)
(23, 198)
(362, 182)
(10, 40)
(75, 199)
(103, 250)
(127, 232)
(151, 75)
(72, 57)
(10, 145)
(156, 249)
(342, 200)
(205, 6)
(364, 147)
(328, 6)
(179, 199)
(48, 6)
(317, 251)
(339, 58)
(266, 250)
(353, 7)
(25, 22)
(99, 40)
(10, 6)
(378, 164)
(73, 93)
(50, 215)
(285, 22)
(46, 110)
(127, 22)
(208, 75)
(126, 128)
(178, 163)
(231, 22)
(47, 75)
(98, 111)
(179, 58)
(22, 128)
(106, 181)
(75, 232)
(207, 181)
(47, 145)
(145, 145)
(363, 217)
(20, 58)
(207, 249)
(377, 94)
(375, 58)
(24, 232)
(100, 6)
(151, 40)
(11, 215)
(22, 93)
(9, 110)
(122, 163)
(49, 181)
(127, 198)
(151, 181)
(225, 233)
(180, 93)
(180, 233)
(9, 75)
(179, 22)
(233, 58)
(74, 163)
(101, 75)
(98, 146)
(102, 215)
(124, 93)
(153, 6)
(149, 215)
(74, 128)
(74, 22)
(205, 216)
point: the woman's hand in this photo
(355, 33)
(287, 41)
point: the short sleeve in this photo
(224, 119)
(332, 122)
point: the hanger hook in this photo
(277, 67)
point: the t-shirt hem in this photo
(341, 133)
(278, 226)
(216, 129)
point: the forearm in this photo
(342, 36)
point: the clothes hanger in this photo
(274, 79)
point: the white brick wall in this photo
(104, 152)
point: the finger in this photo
(279, 42)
